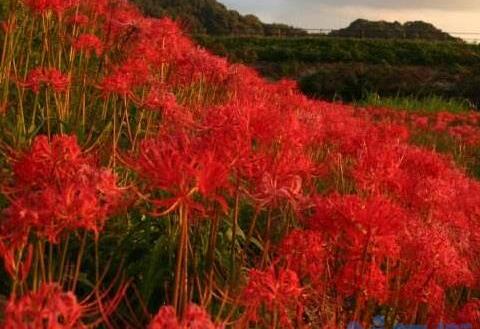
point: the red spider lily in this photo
(470, 313)
(125, 78)
(422, 181)
(303, 252)
(57, 188)
(49, 307)
(364, 278)
(158, 99)
(211, 177)
(422, 289)
(277, 292)
(466, 134)
(162, 43)
(200, 65)
(279, 179)
(228, 124)
(78, 19)
(195, 318)
(49, 77)
(52, 308)
(272, 189)
(18, 269)
(169, 163)
(432, 253)
(57, 6)
(372, 225)
(88, 43)
(100, 7)
(421, 122)
(444, 119)
(166, 318)
(287, 87)
(121, 19)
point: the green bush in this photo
(346, 50)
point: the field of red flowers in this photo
(146, 183)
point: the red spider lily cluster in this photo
(45, 6)
(50, 77)
(279, 293)
(88, 43)
(463, 128)
(195, 317)
(325, 212)
(56, 189)
(48, 308)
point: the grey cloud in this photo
(449, 15)
(390, 4)
(284, 5)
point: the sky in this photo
(448, 15)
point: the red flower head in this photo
(470, 313)
(172, 164)
(354, 224)
(304, 253)
(195, 318)
(78, 19)
(57, 6)
(277, 291)
(125, 78)
(49, 77)
(57, 188)
(88, 43)
(279, 179)
(159, 99)
(49, 308)
(371, 282)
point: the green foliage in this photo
(349, 69)
(212, 17)
(346, 50)
(429, 104)
(354, 82)
(362, 28)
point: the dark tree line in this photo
(212, 17)
(362, 28)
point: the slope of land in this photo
(351, 68)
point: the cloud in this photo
(460, 15)
(275, 5)
(393, 4)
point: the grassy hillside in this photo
(350, 69)
(332, 50)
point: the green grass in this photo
(430, 104)
(345, 50)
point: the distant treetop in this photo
(212, 17)
(362, 28)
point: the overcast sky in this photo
(449, 15)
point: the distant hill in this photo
(362, 28)
(212, 17)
